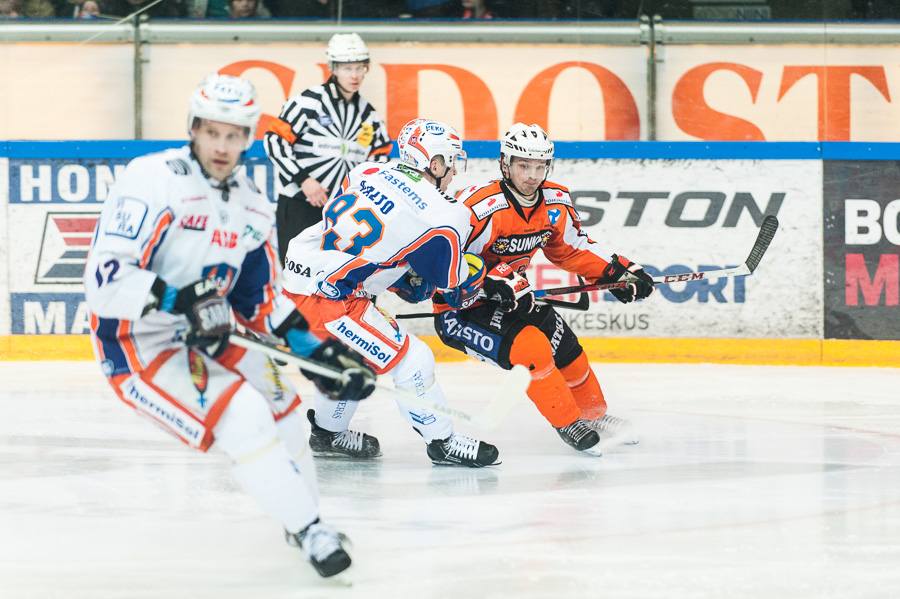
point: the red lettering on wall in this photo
(284, 75)
(887, 279)
(695, 117)
(479, 108)
(620, 113)
(834, 94)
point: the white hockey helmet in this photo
(421, 140)
(226, 99)
(346, 47)
(526, 141)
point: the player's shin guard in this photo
(261, 463)
(548, 390)
(585, 388)
(295, 435)
(415, 374)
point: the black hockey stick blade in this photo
(766, 233)
(582, 305)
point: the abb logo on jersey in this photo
(226, 239)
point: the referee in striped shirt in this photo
(321, 134)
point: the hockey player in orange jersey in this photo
(511, 220)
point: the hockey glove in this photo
(208, 314)
(638, 284)
(357, 379)
(466, 293)
(412, 288)
(508, 288)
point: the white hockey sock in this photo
(294, 432)
(333, 415)
(261, 464)
(415, 374)
(279, 488)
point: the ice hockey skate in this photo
(323, 547)
(459, 450)
(581, 437)
(345, 444)
(614, 430)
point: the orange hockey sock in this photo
(548, 389)
(585, 388)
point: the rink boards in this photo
(825, 291)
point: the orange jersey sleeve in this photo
(569, 247)
(504, 231)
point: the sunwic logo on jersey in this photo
(520, 244)
(64, 247)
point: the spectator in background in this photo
(30, 9)
(208, 9)
(167, 9)
(476, 9)
(328, 9)
(89, 10)
(10, 9)
(247, 9)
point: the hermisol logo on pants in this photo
(361, 340)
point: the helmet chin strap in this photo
(437, 180)
(340, 87)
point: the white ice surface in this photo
(749, 482)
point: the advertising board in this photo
(735, 92)
(861, 258)
(54, 203)
(674, 216)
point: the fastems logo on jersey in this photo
(520, 244)
(862, 249)
(64, 247)
(687, 209)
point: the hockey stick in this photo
(510, 392)
(766, 233)
(583, 304)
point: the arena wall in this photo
(825, 293)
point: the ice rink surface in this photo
(749, 482)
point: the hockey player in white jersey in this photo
(185, 241)
(389, 227)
